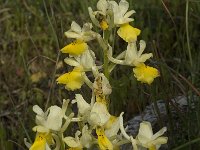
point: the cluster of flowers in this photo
(94, 116)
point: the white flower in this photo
(83, 34)
(73, 142)
(96, 114)
(121, 16)
(101, 17)
(132, 56)
(51, 119)
(83, 106)
(86, 60)
(147, 139)
(84, 141)
(86, 138)
(99, 114)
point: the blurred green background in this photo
(31, 35)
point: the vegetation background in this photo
(31, 35)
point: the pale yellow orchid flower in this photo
(147, 139)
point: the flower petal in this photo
(86, 138)
(75, 27)
(72, 34)
(112, 126)
(145, 132)
(38, 110)
(87, 60)
(159, 133)
(39, 143)
(92, 17)
(83, 106)
(131, 53)
(159, 141)
(103, 141)
(73, 80)
(128, 33)
(71, 62)
(145, 74)
(75, 48)
(71, 142)
(40, 129)
(100, 110)
(102, 5)
(123, 6)
(54, 120)
(129, 13)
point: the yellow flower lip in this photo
(41, 140)
(73, 80)
(75, 48)
(104, 25)
(128, 33)
(145, 74)
(103, 141)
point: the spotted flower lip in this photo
(121, 16)
(103, 141)
(83, 34)
(42, 142)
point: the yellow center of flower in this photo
(128, 33)
(40, 141)
(153, 147)
(104, 25)
(75, 48)
(103, 141)
(73, 80)
(145, 74)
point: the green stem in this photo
(187, 33)
(105, 65)
(187, 144)
(106, 35)
(62, 144)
